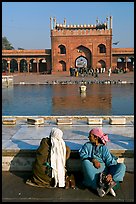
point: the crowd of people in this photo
(101, 170)
(84, 71)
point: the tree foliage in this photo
(6, 45)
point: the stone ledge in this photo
(9, 121)
(22, 160)
(94, 121)
(64, 121)
(35, 121)
(74, 153)
(117, 120)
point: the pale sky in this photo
(27, 24)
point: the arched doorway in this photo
(101, 65)
(63, 65)
(4, 66)
(23, 65)
(33, 66)
(13, 66)
(120, 62)
(130, 63)
(81, 63)
(86, 53)
(42, 66)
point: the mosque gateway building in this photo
(81, 47)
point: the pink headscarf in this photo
(99, 133)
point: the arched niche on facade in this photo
(43, 66)
(33, 65)
(63, 65)
(101, 64)
(23, 65)
(86, 53)
(101, 48)
(121, 62)
(62, 49)
(130, 63)
(131, 59)
(4, 66)
(13, 65)
(121, 59)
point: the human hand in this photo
(96, 163)
(109, 178)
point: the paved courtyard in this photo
(39, 78)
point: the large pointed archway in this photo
(81, 62)
(86, 54)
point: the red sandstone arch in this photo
(85, 52)
(81, 61)
(88, 50)
(62, 49)
(63, 66)
(23, 65)
(33, 65)
(101, 48)
(121, 62)
(101, 64)
(42, 66)
(13, 65)
(4, 66)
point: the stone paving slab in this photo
(14, 189)
(75, 136)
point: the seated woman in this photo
(101, 170)
(49, 168)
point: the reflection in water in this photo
(99, 99)
(96, 101)
(83, 94)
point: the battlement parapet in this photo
(78, 32)
(89, 26)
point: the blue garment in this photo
(108, 163)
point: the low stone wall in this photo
(22, 160)
(93, 120)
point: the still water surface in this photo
(53, 100)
